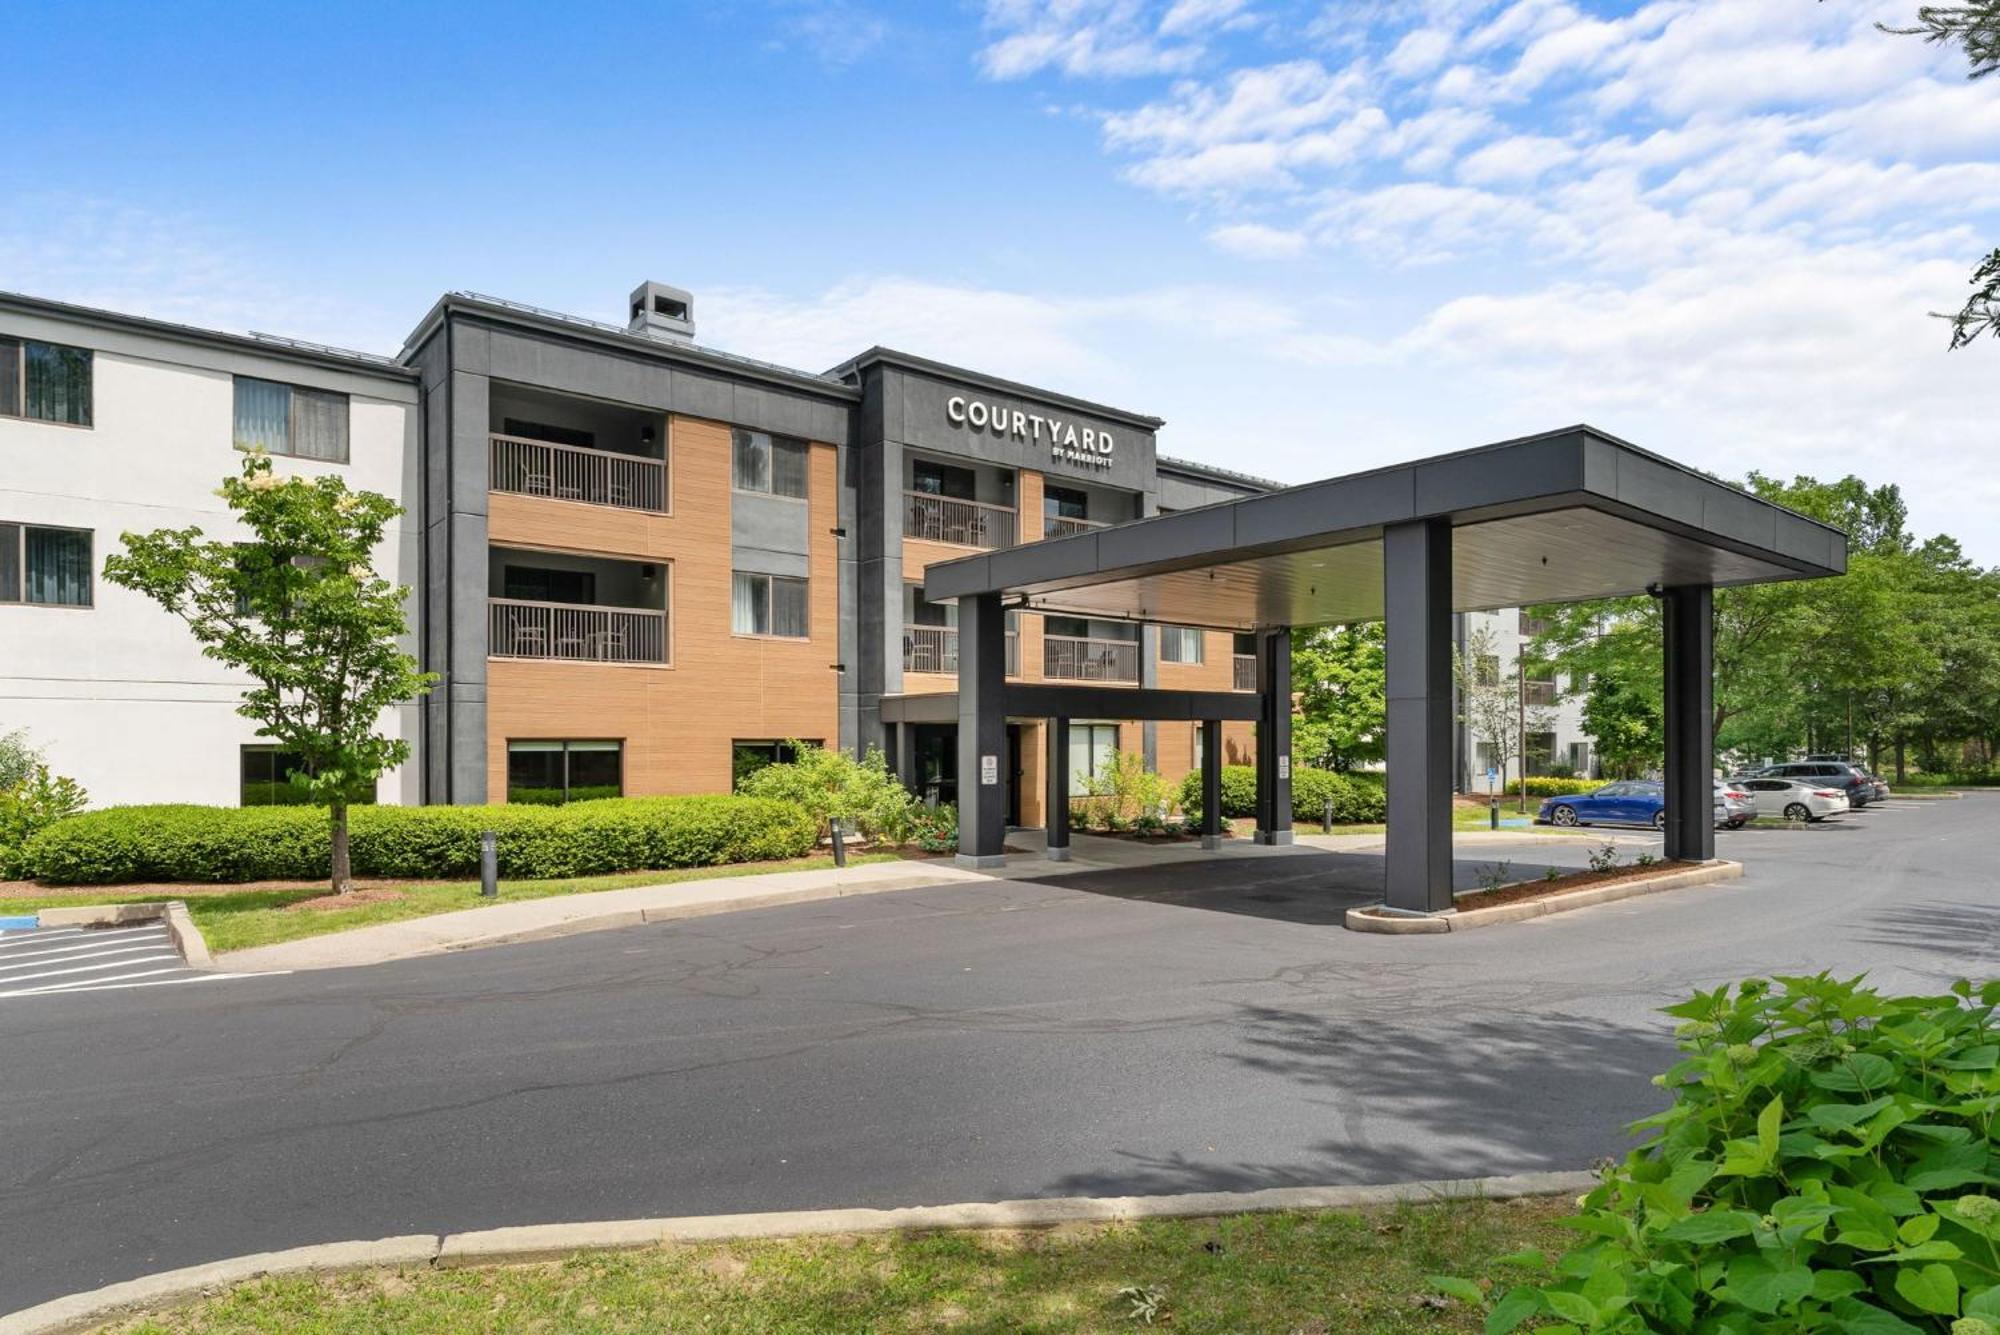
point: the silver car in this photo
(1734, 808)
(1792, 799)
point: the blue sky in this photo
(1315, 237)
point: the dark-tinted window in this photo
(1065, 503)
(47, 382)
(769, 463)
(534, 584)
(554, 435)
(746, 758)
(267, 780)
(48, 566)
(551, 773)
(936, 479)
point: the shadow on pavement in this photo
(1310, 888)
(1497, 1094)
(1938, 926)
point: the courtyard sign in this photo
(1068, 442)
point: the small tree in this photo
(299, 608)
(1491, 701)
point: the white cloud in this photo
(1258, 242)
(1519, 160)
(1101, 38)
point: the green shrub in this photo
(1825, 1166)
(1125, 796)
(935, 829)
(29, 806)
(1543, 785)
(1358, 797)
(831, 784)
(232, 844)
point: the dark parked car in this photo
(1860, 789)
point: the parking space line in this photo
(36, 936)
(93, 985)
(92, 968)
(84, 950)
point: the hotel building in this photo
(637, 564)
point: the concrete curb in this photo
(1457, 920)
(545, 1242)
(181, 930)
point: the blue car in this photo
(1626, 802)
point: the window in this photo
(1541, 752)
(50, 567)
(1486, 671)
(551, 773)
(770, 464)
(45, 382)
(290, 419)
(266, 780)
(1180, 644)
(746, 758)
(936, 479)
(1093, 749)
(1531, 626)
(546, 431)
(1065, 503)
(533, 584)
(768, 605)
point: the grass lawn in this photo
(237, 919)
(1332, 1273)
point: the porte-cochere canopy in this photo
(1558, 517)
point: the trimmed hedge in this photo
(1357, 799)
(230, 844)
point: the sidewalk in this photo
(561, 915)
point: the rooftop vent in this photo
(663, 312)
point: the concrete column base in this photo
(1275, 838)
(1211, 843)
(1060, 853)
(979, 862)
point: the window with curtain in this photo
(555, 772)
(45, 382)
(771, 464)
(1180, 644)
(768, 605)
(1093, 748)
(290, 419)
(46, 566)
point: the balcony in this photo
(1068, 526)
(963, 523)
(1244, 668)
(935, 649)
(529, 467)
(1083, 658)
(575, 632)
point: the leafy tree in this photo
(1338, 677)
(1490, 699)
(1626, 724)
(1976, 28)
(300, 609)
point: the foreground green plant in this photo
(1825, 1166)
(831, 784)
(27, 808)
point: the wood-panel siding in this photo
(677, 722)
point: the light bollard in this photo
(839, 845)
(1326, 817)
(489, 865)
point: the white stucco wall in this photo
(1566, 717)
(117, 694)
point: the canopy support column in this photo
(982, 731)
(1274, 736)
(1058, 817)
(1416, 586)
(1689, 701)
(1211, 784)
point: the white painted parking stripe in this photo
(191, 976)
(18, 979)
(15, 962)
(35, 936)
(120, 942)
(86, 984)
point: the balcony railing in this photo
(576, 632)
(1066, 526)
(1244, 666)
(935, 649)
(1078, 658)
(948, 519)
(571, 473)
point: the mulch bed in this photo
(371, 894)
(1580, 880)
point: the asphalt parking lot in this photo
(973, 1042)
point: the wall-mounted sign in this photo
(1088, 446)
(1284, 767)
(989, 770)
